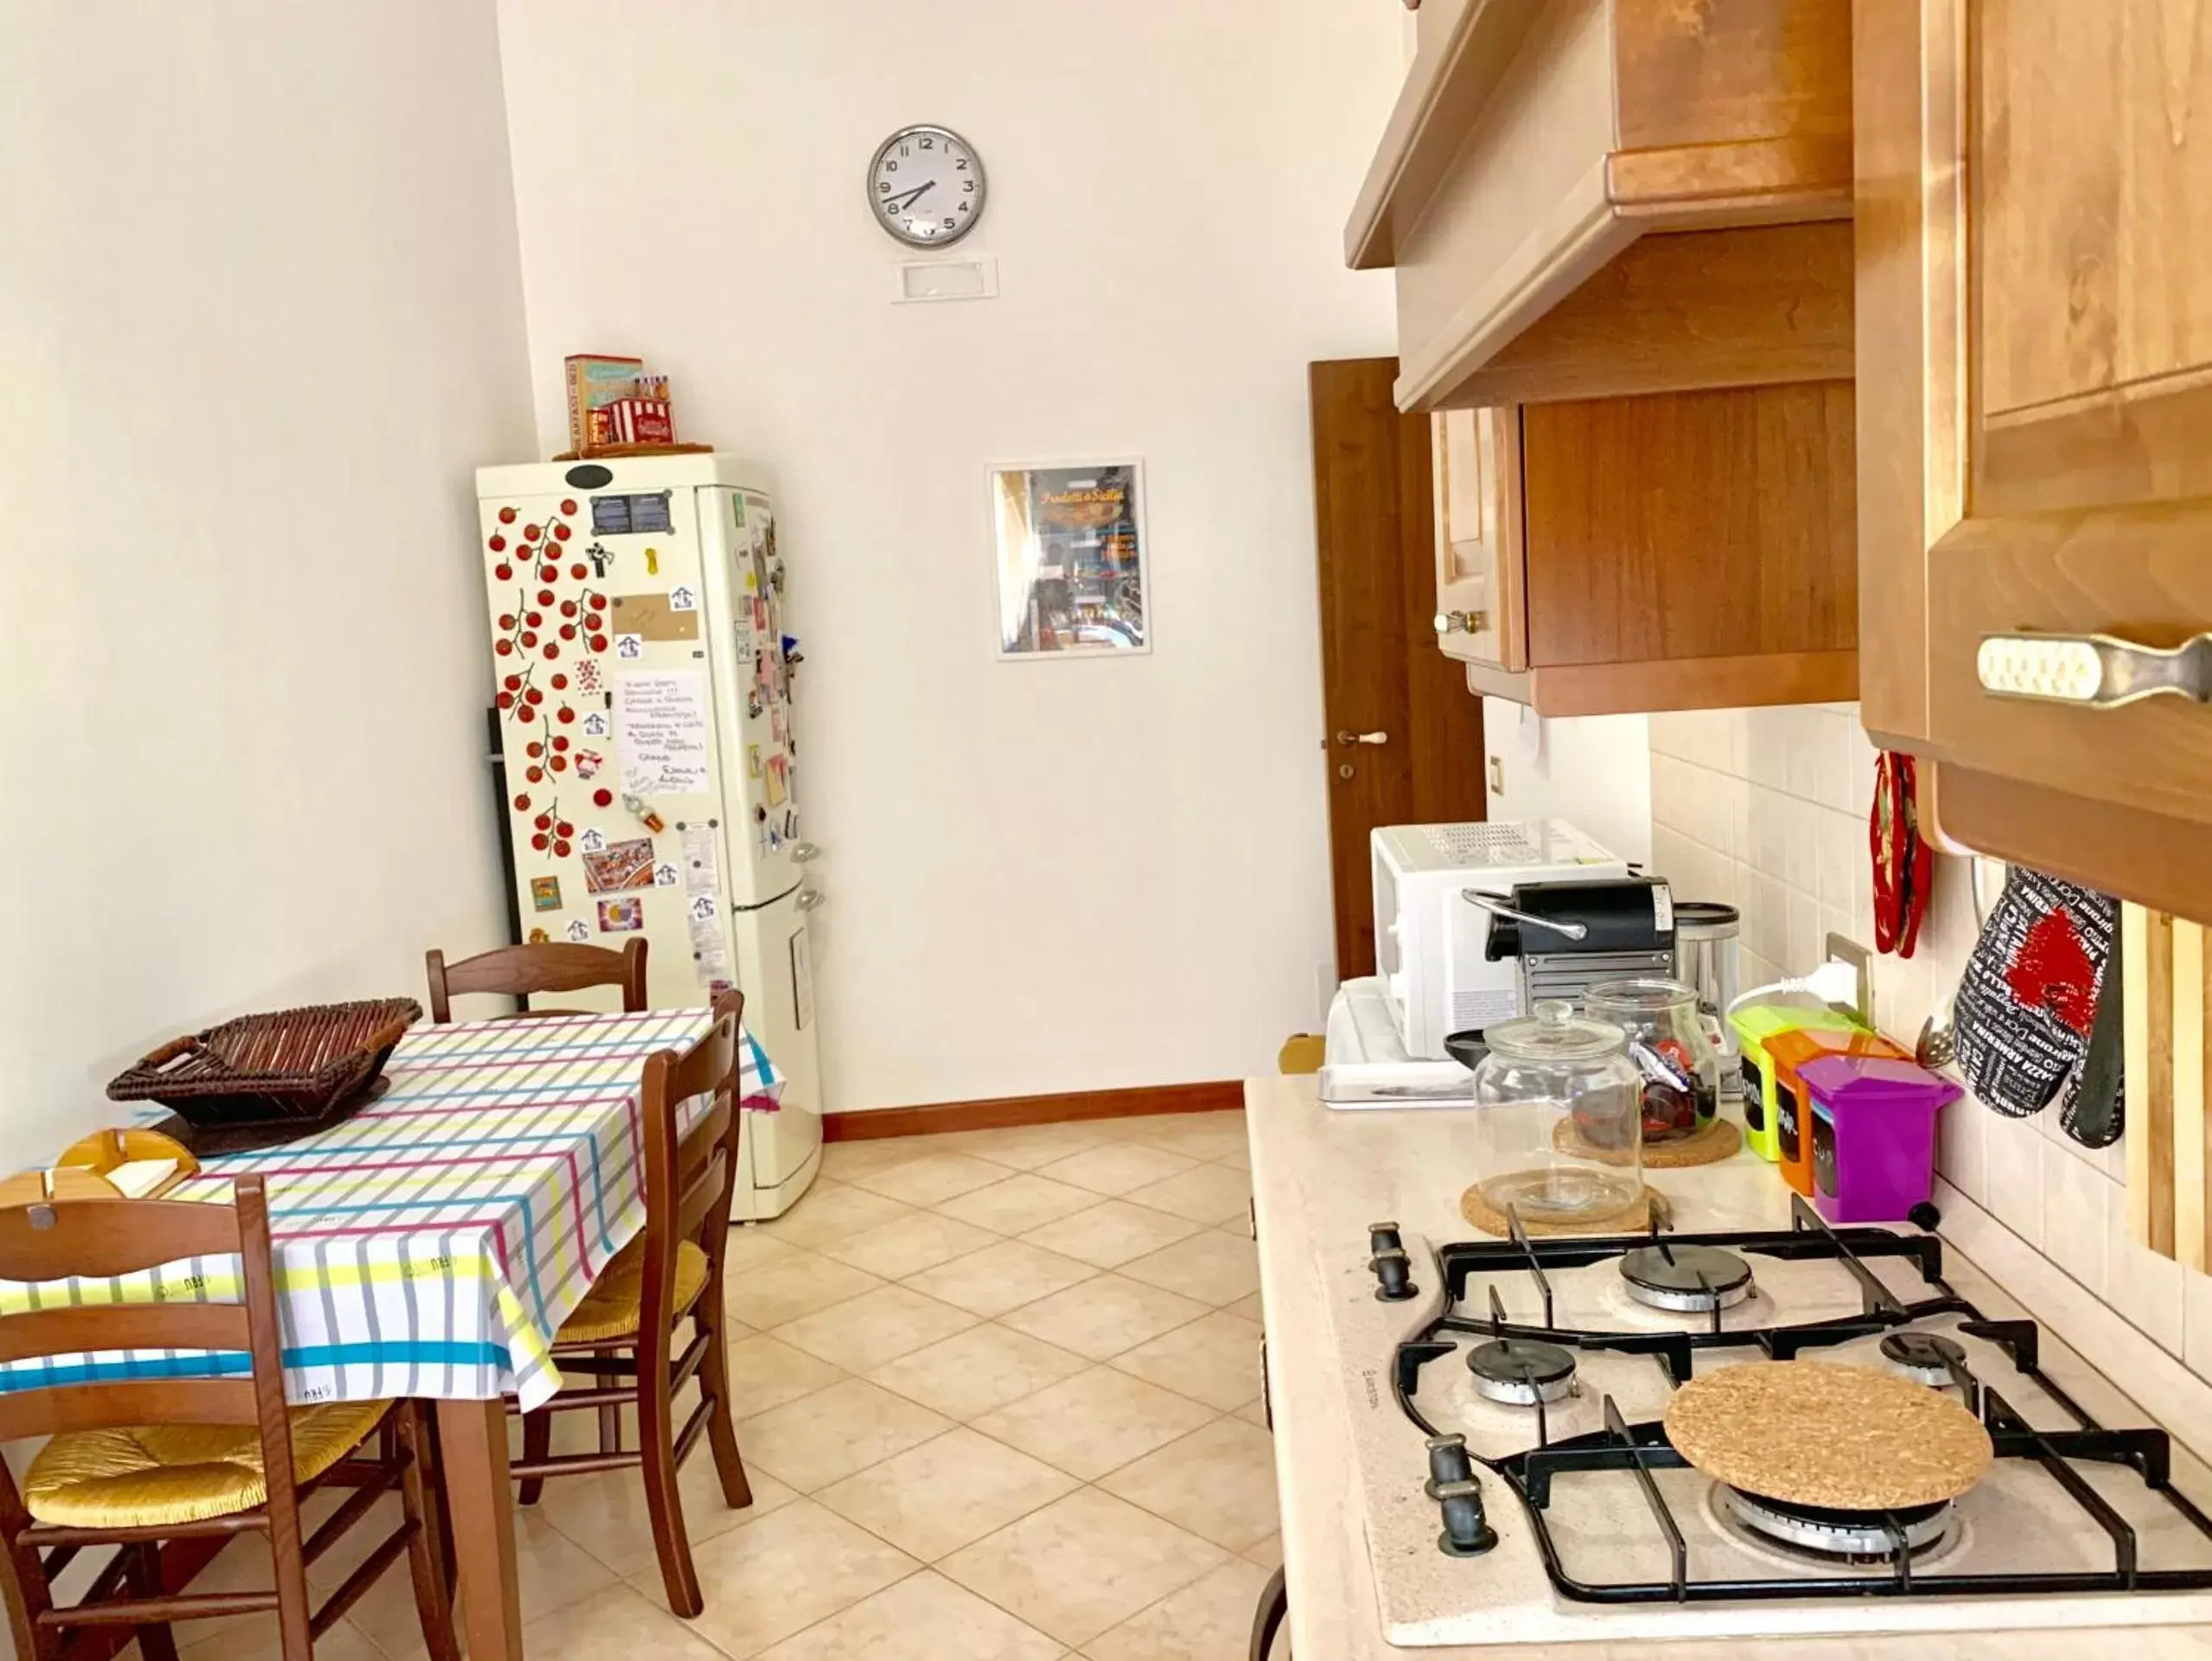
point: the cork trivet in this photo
(1711, 1142)
(1814, 1434)
(1633, 1219)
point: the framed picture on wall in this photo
(1069, 543)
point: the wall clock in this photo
(926, 186)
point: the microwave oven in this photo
(1432, 945)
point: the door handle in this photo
(2093, 671)
(808, 898)
(1363, 737)
(1461, 623)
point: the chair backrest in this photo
(519, 971)
(689, 1179)
(56, 1240)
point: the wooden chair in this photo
(671, 1272)
(135, 1462)
(519, 971)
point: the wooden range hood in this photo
(1603, 198)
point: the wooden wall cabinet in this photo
(1589, 198)
(2034, 399)
(1673, 551)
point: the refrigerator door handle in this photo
(802, 852)
(808, 898)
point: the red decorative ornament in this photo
(561, 850)
(497, 543)
(544, 597)
(576, 572)
(568, 631)
(534, 749)
(522, 804)
(506, 619)
(530, 532)
(541, 842)
(598, 601)
(525, 713)
(507, 516)
(535, 775)
(544, 821)
(602, 798)
(528, 637)
(559, 763)
(562, 827)
(504, 647)
(553, 651)
(568, 610)
(568, 504)
(513, 683)
(560, 741)
(599, 642)
(506, 700)
(560, 683)
(561, 533)
(549, 573)
(535, 696)
(565, 716)
(503, 571)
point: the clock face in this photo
(926, 186)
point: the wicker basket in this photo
(295, 1066)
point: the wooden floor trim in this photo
(1006, 1111)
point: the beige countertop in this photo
(1312, 1168)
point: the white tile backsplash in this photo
(1766, 809)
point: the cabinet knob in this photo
(2093, 671)
(1363, 737)
(1461, 623)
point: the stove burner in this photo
(1925, 1358)
(1840, 1536)
(1694, 1279)
(1520, 1372)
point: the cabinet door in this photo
(2035, 391)
(1479, 550)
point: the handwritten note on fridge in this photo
(660, 720)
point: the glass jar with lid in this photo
(1559, 1118)
(1672, 1048)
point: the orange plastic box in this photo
(1786, 1053)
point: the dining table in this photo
(430, 1244)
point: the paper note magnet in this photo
(539, 937)
(666, 875)
(653, 562)
(753, 761)
(593, 840)
(630, 648)
(578, 932)
(622, 916)
(545, 893)
(646, 816)
(702, 908)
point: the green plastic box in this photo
(1754, 1026)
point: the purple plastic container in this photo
(1873, 1136)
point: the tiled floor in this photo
(999, 1395)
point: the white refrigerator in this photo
(643, 684)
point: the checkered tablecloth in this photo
(432, 1243)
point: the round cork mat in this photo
(1811, 1432)
(1711, 1142)
(1633, 1219)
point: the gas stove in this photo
(1537, 1372)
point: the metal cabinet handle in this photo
(803, 852)
(1363, 737)
(808, 898)
(1461, 623)
(2093, 671)
(1498, 908)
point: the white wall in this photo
(259, 315)
(1767, 809)
(1043, 876)
(1594, 771)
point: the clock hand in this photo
(907, 199)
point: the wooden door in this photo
(1403, 736)
(2035, 396)
(1475, 459)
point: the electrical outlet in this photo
(1843, 948)
(1497, 775)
